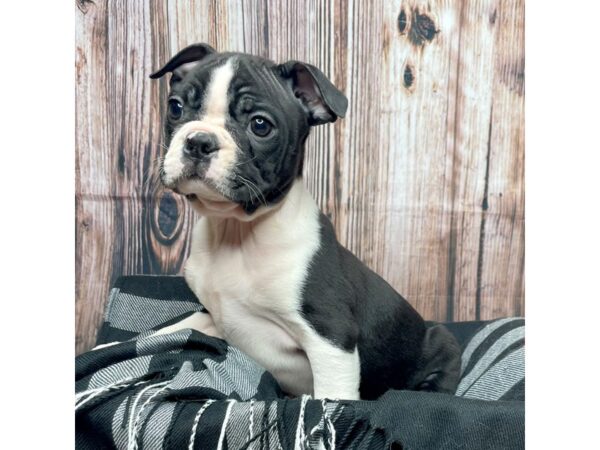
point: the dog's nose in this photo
(199, 144)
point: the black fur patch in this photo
(349, 304)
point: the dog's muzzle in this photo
(200, 145)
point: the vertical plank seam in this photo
(452, 239)
(484, 207)
(245, 49)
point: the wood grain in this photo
(423, 179)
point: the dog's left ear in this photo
(182, 62)
(321, 99)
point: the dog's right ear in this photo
(322, 101)
(184, 61)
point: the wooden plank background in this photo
(423, 179)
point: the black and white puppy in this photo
(264, 260)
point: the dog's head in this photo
(235, 127)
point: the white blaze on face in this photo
(215, 112)
(215, 104)
(212, 119)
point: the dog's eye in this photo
(175, 109)
(260, 126)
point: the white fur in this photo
(173, 161)
(212, 119)
(336, 373)
(249, 275)
(197, 321)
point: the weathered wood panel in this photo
(423, 179)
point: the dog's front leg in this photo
(198, 321)
(336, 372)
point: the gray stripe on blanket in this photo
(131, 368)
(119, 425)
(500, 378)
(237, 373)
(481, 335)
(238, 427)
(149, 312)
(150, 345)
(157, 425)
(489, 357)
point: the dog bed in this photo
(188, 390)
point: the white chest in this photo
(250, 280)
(229, 280)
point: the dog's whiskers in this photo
(248, 186)
(253, 188)
(264, 200)
(246, 162)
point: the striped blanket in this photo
(189, 390)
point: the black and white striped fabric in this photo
(492, 362)
(189, 390)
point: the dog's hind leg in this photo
(440, 367)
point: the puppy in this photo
(264, 260)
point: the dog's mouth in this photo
(203, 193)
(223, 198)
(193, 186)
